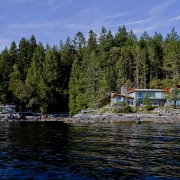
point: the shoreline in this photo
(122, 118)
(84, 118)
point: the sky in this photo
(53, 20)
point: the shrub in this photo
(122, 107)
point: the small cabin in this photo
(9, 108)
(117, 98)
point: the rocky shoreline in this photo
(86, 118)
(118, 118)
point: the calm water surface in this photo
(53, 150)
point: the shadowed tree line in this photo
(80, 73)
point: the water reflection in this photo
(112, 151)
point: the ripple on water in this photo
(46, 150)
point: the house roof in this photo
(146, 90)
(115, 95)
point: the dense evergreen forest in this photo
(80, 73)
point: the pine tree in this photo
(5, 70)
(155, 52)
(77, 101)
(13, 53)
(35, 73)
(120, 37)
(17, 86)
(92, 41)
(171, 56)
(49, 85)
(79, 41)
(23, 58)
(33, 45)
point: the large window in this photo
(158, 95)
(139, 95)
(139, 103)
(118, 98)
(151, 94)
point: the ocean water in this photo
(54, 150)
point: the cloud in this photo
(22, 1)
(50, 19)
(159, 10)
(157, 17)
(141, 29)
(138, 22)
(117, 15)
(176, 17)
(54, 5)
(47, 24)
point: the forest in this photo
(81, 73)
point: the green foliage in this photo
(146, 101)
(171, 56)
(174, 96)
(147, 104)
(123, 108)
(34, 77)
(81, 74)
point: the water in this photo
(53, 150)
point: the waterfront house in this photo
(9, 107)
(116, 99)
(156, 96)
(173, 94)
(134, 97)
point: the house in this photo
(156, 96)
(9, 107)
(134, 97)
(171, 95)
(118, 98)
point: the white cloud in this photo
(117, 15)
(160, 9)
(157, 17)
(47, 24)
(141, 29)
(176, 17)
(50, 19)
(138, 22)
(23, 1)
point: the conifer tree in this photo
(17, 86)
(33, 45)
(171, 56)
(5, 70)
(35, 73)
(92, 41)
(79, 41)
(23, 58)
(13, 53)
(120, 37)
(155, 52)
(77, 100)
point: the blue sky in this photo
(53, 20)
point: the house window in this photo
(158, 95)
(151, 94)
(140, 95)
(118, 98)
(139, 103)
(130, 102)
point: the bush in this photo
(149, 108)
(146, 103)
(122, 107)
